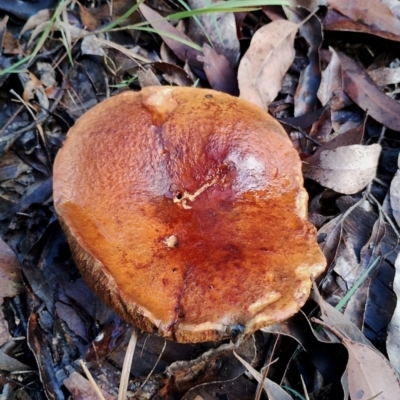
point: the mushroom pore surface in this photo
(186, 213)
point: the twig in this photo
(91, 380)
(126, 367)
(152, 370)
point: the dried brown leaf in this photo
(3, 31)
(38, 342)
(216, 365)
(346, 169)
(310, 77)
(355, 234)
(356, 306)
(385, 76)
(269, 56)
(322, 128)
(370, 374)
(372, 13)
(220, 29)
(88, 18)
(336, 320)
(275, 13)
(181, 50)
(31, 87)
(220, 74)
(329, 358)
(10, 283)
(10, 364)
(90, 45)
(173, 74)
(11, 44)
(328, 238)
(331, 89)
(335, 21)
(11, 167)
(362, 90)
(147, 78)
(70, 316)
(109, 338)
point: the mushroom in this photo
(185, 212)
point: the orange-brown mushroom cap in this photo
(186, 213)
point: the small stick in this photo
(91, 380)
(126, 368)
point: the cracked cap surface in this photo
(186, 213)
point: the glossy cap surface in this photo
(186, 213)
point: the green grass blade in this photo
(184, 14)
(357, 284)
(184, 5)
(170, 35)
(65, 41)
(214, 20)
(228, 6)
(295, 392)
(40, 43)
(121, 18)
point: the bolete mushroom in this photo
(185, 212)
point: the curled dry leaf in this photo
(346, 169)
(269, 56)
(368, 12)
(331, 89)
(310, 77)
(395, 195)
(35, 20)
(335, 21)
(360, 87)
